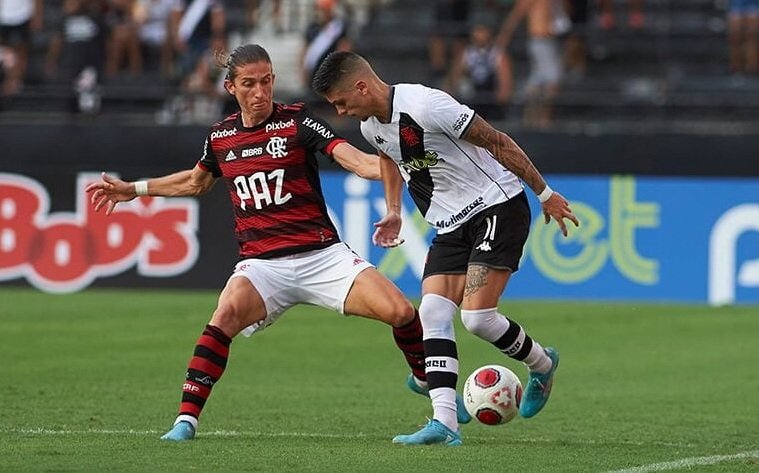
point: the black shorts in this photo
(478, 241)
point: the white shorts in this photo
(545, 62)
(320, 277)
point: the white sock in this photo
(444, 407)
(436, 313)
(537, 360)
(489, 325)
(184, 417)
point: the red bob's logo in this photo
(66, 251)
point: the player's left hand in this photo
(557, 207)
(387, 231)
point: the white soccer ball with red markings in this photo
(492, 394)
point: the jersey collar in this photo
(274, 110)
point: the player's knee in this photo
(402, 312)
(436, 313)
(229, 319)
(478, 322)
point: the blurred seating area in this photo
(668, 61)
(674, 66)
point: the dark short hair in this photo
(241, 56)
(333, 69)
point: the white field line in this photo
(234, 433)
(215, 433)
(687, 463)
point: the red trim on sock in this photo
(214, 345)
(217, 333)
(191, 409)
(206, 366)
(409, 340)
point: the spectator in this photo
(362, 12)
(157, 21)
(575, 45)
(76, 53)
(487, 69)
(79, 40)
(254, 13)
(635, 17)
(327, 32)
(201, 29)
(545, 60)
(203, 91)
(123, 41)
(199, 35)
(743, 36)
(448, 39)
(18, 19)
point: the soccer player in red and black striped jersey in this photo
(290, 250)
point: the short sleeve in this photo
(315, 133)
(366, 132)
(208, 160)
(446, 114)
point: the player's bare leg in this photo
(374, 296)
(239, 306)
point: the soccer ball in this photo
(492, 394)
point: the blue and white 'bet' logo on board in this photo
(641, 238)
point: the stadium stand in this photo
(673, 70)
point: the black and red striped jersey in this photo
(272, 175)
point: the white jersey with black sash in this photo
(449, 178)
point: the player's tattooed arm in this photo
(476, 277)
(511, 156)
(505, 151)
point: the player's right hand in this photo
(108, 192)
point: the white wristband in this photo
(141, 187)
(546, 194)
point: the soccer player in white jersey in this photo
(290, 251)
(466, 179)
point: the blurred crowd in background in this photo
(85, 45)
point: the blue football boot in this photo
(182, 430)
(539, 387)
(435, 432)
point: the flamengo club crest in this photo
(277, 147)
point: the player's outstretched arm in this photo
(356, 161)
(112, 190)
(511, 22)
(387, 230)
(513, 158)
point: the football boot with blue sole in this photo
(182, 430)
(435, 432)
(539, 387)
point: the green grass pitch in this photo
(91, 380)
